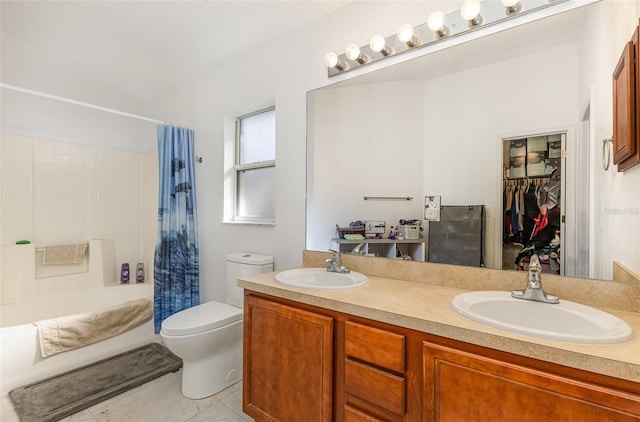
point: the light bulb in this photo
(377, 43)
(470, 10)
(331, 59)
(435, 22)
(352, 52)
(512, 6)
(405, 33)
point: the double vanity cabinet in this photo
(307, 363)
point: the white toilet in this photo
(208, 337)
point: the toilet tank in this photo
(242, 264)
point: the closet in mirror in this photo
(532, 199)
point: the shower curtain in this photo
(176, 263)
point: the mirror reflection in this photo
(435, 126)
(533, 202)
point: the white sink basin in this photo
(566, 321)
(321, 279)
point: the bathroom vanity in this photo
(395, 350)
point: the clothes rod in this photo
(87, 105)
(389, 198)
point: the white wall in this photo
(367, 141)
(615, 196)
(32, 116)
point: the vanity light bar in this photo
(454, 24)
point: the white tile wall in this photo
(57, 193)
(17, 188)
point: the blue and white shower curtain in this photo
(176, 263)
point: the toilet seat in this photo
(201, 318)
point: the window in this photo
(255, 167)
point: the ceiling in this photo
(137, 48)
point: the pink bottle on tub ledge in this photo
(124, 273)
(140, 273)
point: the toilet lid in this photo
(198, 319)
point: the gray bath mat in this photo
(62, 395)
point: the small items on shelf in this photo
(140, 273)
(124, 273)
(355, 231)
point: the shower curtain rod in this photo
(88, 105)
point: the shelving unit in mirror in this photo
(408, 249)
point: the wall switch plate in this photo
(432, 208)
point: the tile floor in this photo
(159, 400)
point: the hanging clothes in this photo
(514, 211)
(521, 209)
(531, 211)
(176, 261)
(541, 221)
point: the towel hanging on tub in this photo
(70, 332)
(64, 254)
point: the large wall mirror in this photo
(434, 125)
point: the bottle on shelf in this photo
(140, 273)
(124, 273)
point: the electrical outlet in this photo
(432, 208)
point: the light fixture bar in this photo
(493, 12)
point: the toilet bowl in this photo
(208, 337)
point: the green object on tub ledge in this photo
(23, 242)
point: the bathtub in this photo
(20, 359)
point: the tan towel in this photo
(64, 254)
(70, 332)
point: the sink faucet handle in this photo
(334, 263)
(534, 262)
(534, 284)
(535, 273)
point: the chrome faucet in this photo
(534, 285)
(335, 266)
(358, 249)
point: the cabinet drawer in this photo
(379, 347)
(353, 415)
(375, 386)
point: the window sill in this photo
(250, 223)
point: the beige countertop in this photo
(427, 307)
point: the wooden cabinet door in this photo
(624, 106)
(288, 363)
(634, 158)
(461, 386)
